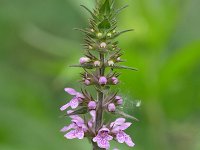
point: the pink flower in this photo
(103, 138)
(118, 127)
(111, 107)
(78, 126)
(74, 101)
(92, 105)
(119, 100)
(115, 80)
(102, 80)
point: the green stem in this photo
(99, 112)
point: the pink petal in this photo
(95, 139)
(104, 129)
(74, 103)
(79, 95)
(129, 141)
(71, 134)
(117, 122)
(116, 129)
(66, 128)
(103, 144)
(70, 91)
(120, 121)
(124, 126)
(109, 138)
(64, 107)
(77, 119)
(80, 134)
(120, 137)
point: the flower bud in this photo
(111, 107)
(114, 31)
(97, 63)
(118, 58)
(111, 63)
(84, 60)
(103, 45)
(119, 100)
(87, 82)
(92, 30)
(115, 80)
(102, 80)
(99, 34)
(109, 34)
(92, 105)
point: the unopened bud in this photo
(87, 82)
(111, 63)
(92, 105)
(115, 80)
(109, 34)
(92, 30)
(99, 34)
(103, 80)
(97, 63)
(119, 100)
(118, 58)
(103, 45)
(83, 60)
(111, 107)
(138, 104)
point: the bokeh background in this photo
(37, 44)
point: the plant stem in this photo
(99, 112)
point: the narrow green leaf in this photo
(105, 8)
(121, 32)
(123, 114)
(123, 67)
(120, 9)
(93, 15)
(82, 110)
(86, 66)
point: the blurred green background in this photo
(37, 44)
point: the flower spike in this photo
(100, 62)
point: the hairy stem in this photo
(99, 112)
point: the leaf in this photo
(120, 9)
(105, 24)
(87, 66)
(123, 67)
(105, 8)
(123, 114)
(82, 110)
(93, 15)
(121, 32)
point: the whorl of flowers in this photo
(102, 57)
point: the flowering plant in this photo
(102, 58)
